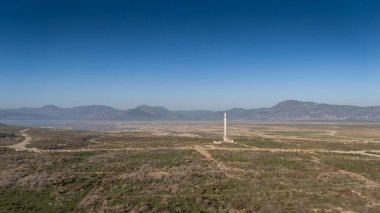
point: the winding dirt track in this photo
(26, 141)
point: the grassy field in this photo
(273, 168)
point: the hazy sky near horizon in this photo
(189, 54)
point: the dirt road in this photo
(219, 164)
(22, 145)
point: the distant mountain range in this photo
(290, 110)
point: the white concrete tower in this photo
(225, 128)
(225, 137)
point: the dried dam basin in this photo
(156, 167)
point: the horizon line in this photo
(104, 105)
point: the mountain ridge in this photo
(289, 110)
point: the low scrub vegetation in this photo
(83, 171)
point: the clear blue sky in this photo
(189, 54)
